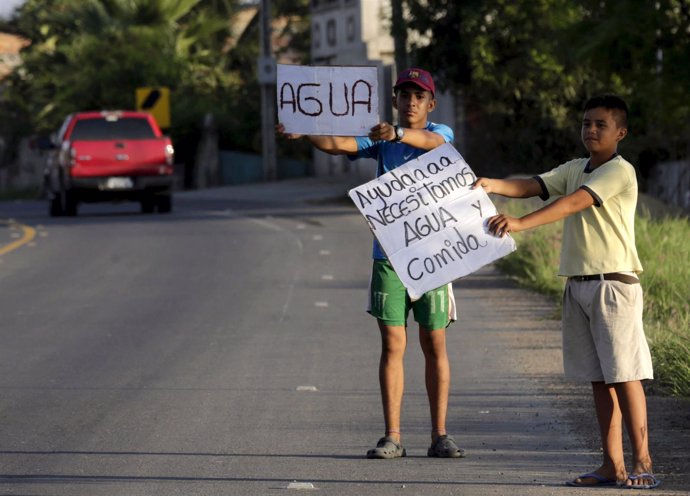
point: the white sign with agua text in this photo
(335, 101)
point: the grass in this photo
(663, 240)
(662, 244)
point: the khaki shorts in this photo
(389, 302)
(603, 337)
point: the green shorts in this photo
(390, 303)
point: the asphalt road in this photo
(223, 350)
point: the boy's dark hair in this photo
(611, 102)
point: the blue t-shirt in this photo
(392, 154)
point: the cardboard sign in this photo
(336, 101)
(430, 223)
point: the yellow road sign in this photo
(156, 101)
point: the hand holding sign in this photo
(429, 220)
(280, 130)
(336, 101)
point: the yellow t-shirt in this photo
(599, 239)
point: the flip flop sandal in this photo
(644, 475)
(599, 481)
(387, 448)
(445, 447)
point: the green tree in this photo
(525, 67)
(240, 125)
(93, 54)
(641, 50)
(505, 57)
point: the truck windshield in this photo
(99, 129)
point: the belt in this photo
(614, 276)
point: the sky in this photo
(8, 6)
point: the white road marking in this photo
(307, 388)
(301, 486)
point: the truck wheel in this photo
(164, 203)
(147, 205)
(70, 204)
(55, 206)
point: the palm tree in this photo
(95, 53)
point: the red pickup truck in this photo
(109, 156)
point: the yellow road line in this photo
(28, 234)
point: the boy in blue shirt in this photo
(603, 338)
(391, 146)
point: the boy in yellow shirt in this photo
(603, 338)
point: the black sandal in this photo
(387, 447)
(445, 447)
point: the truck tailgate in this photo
(119, 158)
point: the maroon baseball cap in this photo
(420, 77)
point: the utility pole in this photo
(399, 31)
(267, 79)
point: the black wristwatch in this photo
(399, 133)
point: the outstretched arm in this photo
(339, 145)
(335, 145)
(577, 201)
(512, 188)
(417, 138)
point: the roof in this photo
(10, 46)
